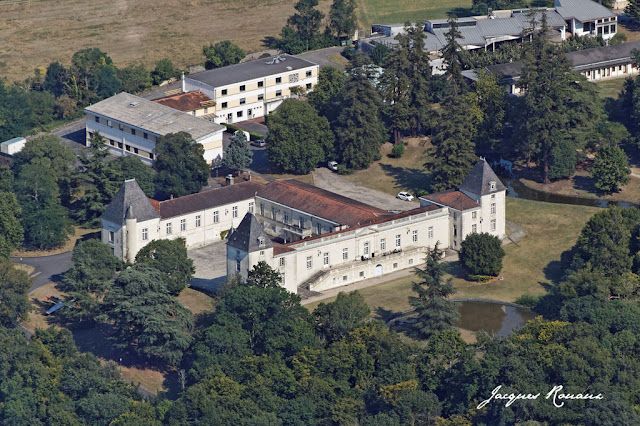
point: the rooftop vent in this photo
(134, 104)
(289, 68)
(276, 60)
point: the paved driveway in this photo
(326, 179)
(47, 268)
(321, 57)
(211, 266)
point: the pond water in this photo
(494, 318)
(517, 189)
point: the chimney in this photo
(171, 197)
(249, 175)
(184, 86)
(229, 179)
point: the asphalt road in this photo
(47, 268)
(321, 57)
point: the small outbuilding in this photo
(12, 146)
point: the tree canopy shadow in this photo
(460, 12)
(383, 314)
(585, 183)
(269, 41)
(410, 178)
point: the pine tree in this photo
(238, 155)
(343, 17)
(633, 9)
(421, 112)
(307, 21)
(451, 54)
(435, 312)
(358, 128)
(453, 152)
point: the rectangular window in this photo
(133, 131)
(224, 105)
(278, 92)
(261, 84)
(111, 236)
(97, 119)
(146, 136)
(308, 86)
(243, 101)
(301, 222)
(345, 253)
(234, 211)
(273, 213)
(308, 73)
(383, 244)
(344, 278)
(224, 92)
(318, 228)
(251, 207)
(395, 265)
(493, 208)
(282, 261)
(398, 240)
(145, 234)
(216, 218)
(242, 88)
(206, 110)
(430, 232)
(474, 215)
(286, 217)
(414, 236)
(169, 228)
(278, 80)
(455, 230)
(493, 224)
(309, 262)
(239, 114)
(183, 224)
(260, 97)
(361, 274)
(135, 150)
(326, 259)
(198, 221)
(128, 147)
(474, 228)
(261, 209)
(237, 266)
(410, 261)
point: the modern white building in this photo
(251, 89)
(131, 125)
(586, 17)
(12, 146)
(315, 238)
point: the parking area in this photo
(326, 179)
(211, 266)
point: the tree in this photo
(421, 112)
(453, 152)
(306, 21)
(610, 169)
(491, 98)
(51, 153)
(164, 71)
(563, 160)
(481, 254)
(324, 97)
(451, 54)
(336, 319)
(93, 268)
(131, 167)
(435, 312)
(14, 290)
(238, 155)
(11, 232)
(146, 317)
(180, 165)
(134, 78)
(633, 9)
(56, 79)
(6, 179)
(298, 138)
(358, 128)
(222, 54)
(379, 54)
(263, 276)
(169, 257)
(65, 107)
(104, 82)
(342, 15)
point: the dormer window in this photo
(261, 241)
(492, 185)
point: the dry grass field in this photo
(36, 33)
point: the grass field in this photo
(132, 31)
(529, 267)
(610, 88)
(399, 11)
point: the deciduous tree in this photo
(169, 257)
(11, 232)
(336, 319)
(342, 15)
(131, 167)
(222, 54)
(306, 21)
(14, 290)
(482, 254)
(324, 97)
(610, 169)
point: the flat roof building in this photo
(132, 124)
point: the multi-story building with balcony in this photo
(251, 89)
(131, 125)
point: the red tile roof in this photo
(388, 218)
(320, 203)
(206, 199)
(280, 248)
(184, 101)
(454, 199)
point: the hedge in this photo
(252, 136)
(479, 278)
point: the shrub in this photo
(252, 136)
(344, 170)
(528, 300)
(481, 254)
(479, 278)
(397, 151)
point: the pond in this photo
(495, 318)
(517, 189)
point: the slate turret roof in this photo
(249, 236)
(478, 180)
(129, 195)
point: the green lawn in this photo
(399, 11)
(610, 88)
(529, 267)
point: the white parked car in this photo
(405, 196)
(333, 165)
